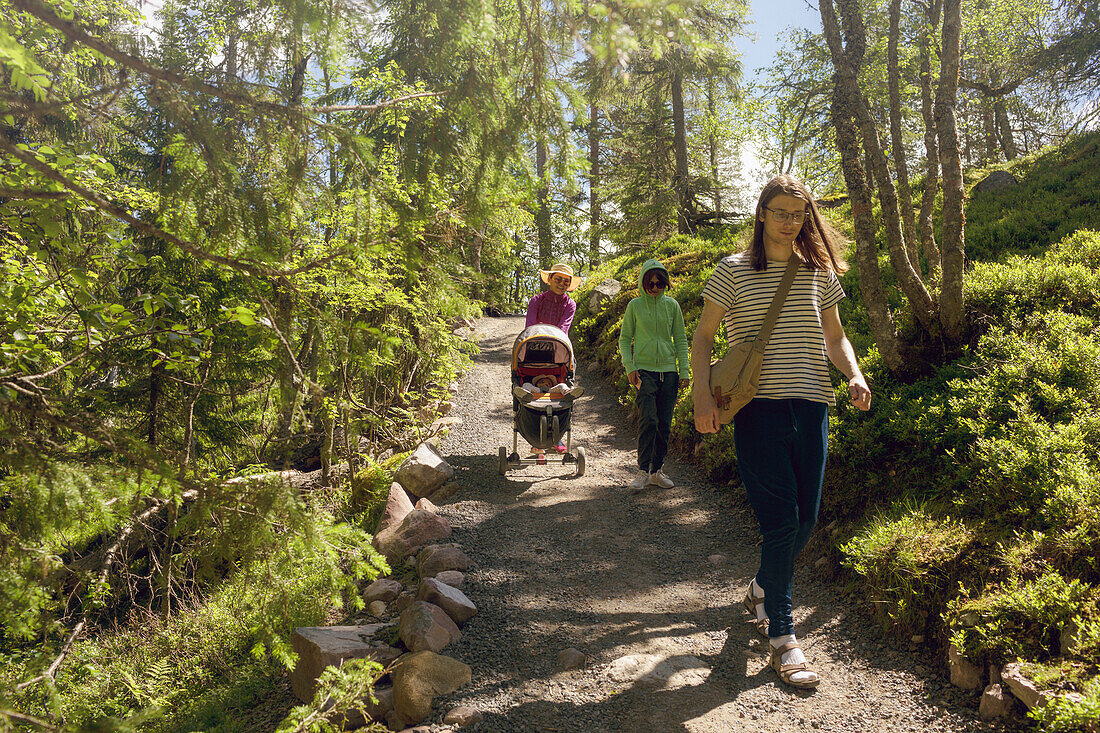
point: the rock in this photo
(403, 601)
(383, 589)
(445, 491)
(603, 293)
(460, 608)
(427, 505)
(963, 674)
(821, 562)
(419, 677)
(319, 647)
(996, 703)
(996, 181)
(649, 670)
(362, 713)
(377, 608)
(463, 716)
(917, 638)
(424, 471)
(434, 559)
(452, 578)
(1023, 688)
(717, 560)
(571, 658)
(398, 505)
(418, 528)
(426, 626)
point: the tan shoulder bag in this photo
(735, 377)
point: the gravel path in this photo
(564, 561)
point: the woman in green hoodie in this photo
(654, 350)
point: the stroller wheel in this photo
(580, 461)
(502, 461)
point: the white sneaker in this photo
(640, 480)
(659, 479)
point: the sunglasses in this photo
(655, 285)
(561, 280)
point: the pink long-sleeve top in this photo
(557, 310)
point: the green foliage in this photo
(1059, 193)
(370, 490)
(340, 691)
(908, 562)
(1020, 619)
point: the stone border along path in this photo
(647, 587)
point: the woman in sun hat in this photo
(553, 306)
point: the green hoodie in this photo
(652, 337)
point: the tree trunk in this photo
(156, 385)
(879, 318)
(897, 141)
(931, 147)
(542, 214)
(951, 298)
(919, 299)
(593, 185)
(680, 181)
(713, 146)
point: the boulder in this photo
(603, 293)
(460, 608)
(996, 703)
(424, 471)
(426, 626)
(398, 505)
(319, 647)
(570, 658)
(996, 181)
(383, 589)
(649, 670)
(434, 559)
(427, 505)
(419, 677)
(1022, 687)
(462, 716)
(365, 711)
(964, 674)
(403, 601)
(418, 528)
(377, 609)
(452, 578)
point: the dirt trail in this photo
(565, 561)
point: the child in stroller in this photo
(543, 394)
(544, 384)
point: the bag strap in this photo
(765, 331)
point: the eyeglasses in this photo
(782, 216)
(561, 280)
(655, 285)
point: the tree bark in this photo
(931, 146)
(593, 185)
(919, 299)
(680, 180)
(542, 213)
(953, 257)
(897, 141)
(879, 318)
(713, 145)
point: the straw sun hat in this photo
(575, 282)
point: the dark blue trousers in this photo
(655, 401)
(781, 450)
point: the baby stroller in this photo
(542, 350)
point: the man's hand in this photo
(706, 412)
(859, 392)
(634, 379)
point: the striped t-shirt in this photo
(795, 362)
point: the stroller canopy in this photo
(549, 343)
